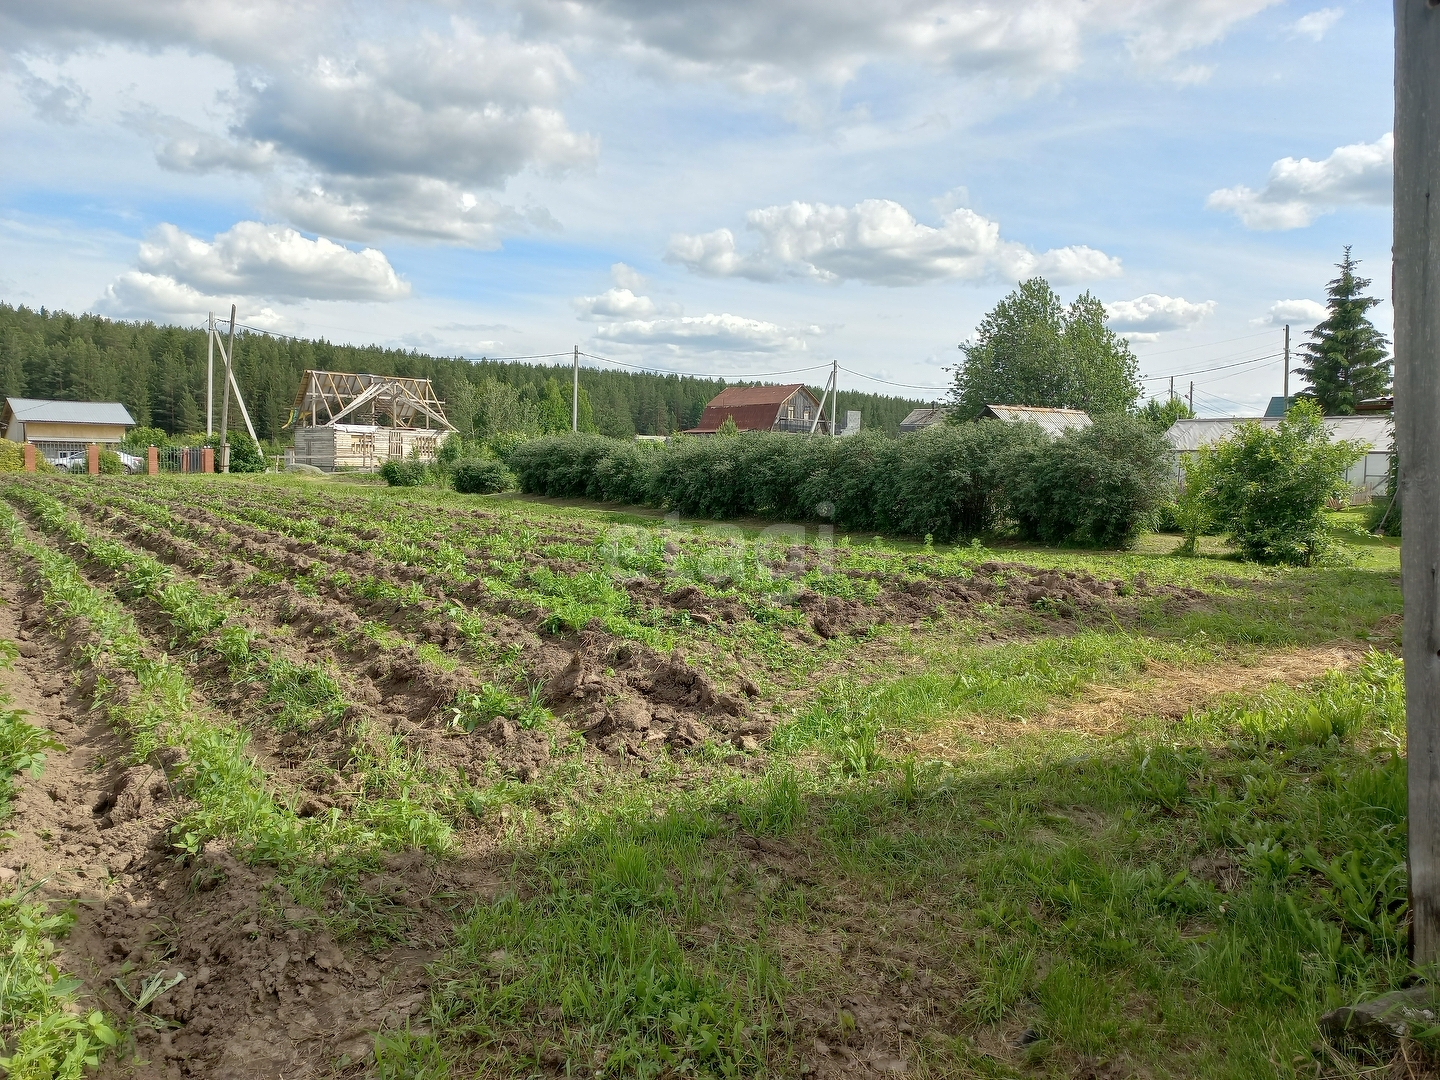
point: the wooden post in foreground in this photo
(1415, 293)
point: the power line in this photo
(703, 375)
(1203, 371)
(888, 382)
(1206, 345)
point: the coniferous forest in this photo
(158, 372)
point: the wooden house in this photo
(344, 420)
(64, 427)
(763, 408)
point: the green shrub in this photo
(1266, 488)
(111, 464)
(139, 439)
(245, 455)
(1099, 485)
(948, 481)
(480, 476)
(407, 472)
(12, 456)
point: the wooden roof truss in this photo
(332, 397)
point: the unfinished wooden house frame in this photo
(346, 420)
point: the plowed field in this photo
(347, 780)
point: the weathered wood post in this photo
(1415, 292)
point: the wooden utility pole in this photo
(225, 401)
(210, 376)
(1192, 397)
(1285, 384)
(575, 393)
(1415, 293)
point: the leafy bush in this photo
(1100, 485)
(1266, 488)
(245, 455)
(12, 456)
(111, 464)
(480, 476)
(948, 481)
(406, 472)
(139, 439)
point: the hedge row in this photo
(1096, 486)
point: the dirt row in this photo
(628, 700)
(260, 990)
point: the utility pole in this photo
(575, 394)
(1192, 396)
(1415, 290)
(225, 401)
(210, 376)
(834, 397)
(1286, 383)
(1172, 387)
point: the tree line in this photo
(159, 372)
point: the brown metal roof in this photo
(755, 408)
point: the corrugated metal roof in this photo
(922, 418)
(1375, 432)
(68, 412)
(1054, 421)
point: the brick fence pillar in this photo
(207, 459)
(29, 457)
(152, 461)
(92, 458)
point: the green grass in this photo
(1178, 898)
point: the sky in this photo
(726, 187)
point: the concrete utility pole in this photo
(1286, 383)
(225, 401)
(1172, 387)
(1192, 396)
(834, 397)
(575, 394)
(210, 376)
(1415, 290)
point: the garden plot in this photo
(535, 791)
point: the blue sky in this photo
(717, 186)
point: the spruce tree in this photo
(1346, 361)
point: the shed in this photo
(916, 419)
(1374, 431)
(56, 427)
(790, 407)
(1054, 421)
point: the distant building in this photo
(1279, 405)
(1374, 431)
(918, 419)
(59, 428)
(1054, 421)
(345, 420)
(763, 408)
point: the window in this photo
(789, 412)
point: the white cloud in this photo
(1153, 314)
(252, 259)
(777, 45)
(879, 242)
(466, 108)
(615, 304)
(708, 333)
(1317, 24)
(185, 148)
(627, 277)
(136, 294)
(1297, 192)
(418, 207)
(61, 100)
(1295, 312)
